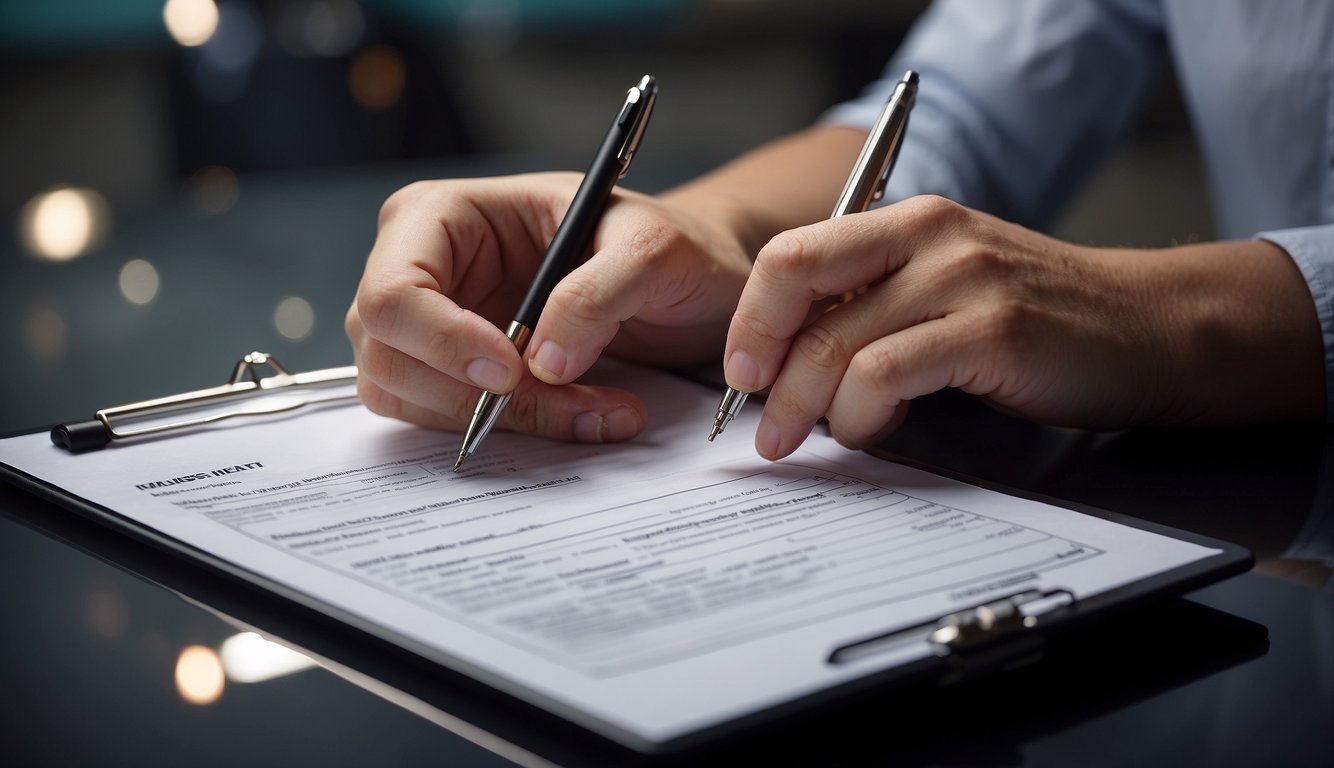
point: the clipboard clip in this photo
(246, 393)
(999, 632)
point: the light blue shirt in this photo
(1022, 99)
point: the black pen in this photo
(571, 240)
(865, 185)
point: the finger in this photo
(645, 268)
(805, 265)
(419, 394)
(817, 362)
(426, 243)
(433, 329)
(952, 351)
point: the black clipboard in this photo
(994, 635)
(999, 711)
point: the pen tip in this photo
(459, 462)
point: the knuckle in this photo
(405, 197)
(378, 305)
(580, 300)
(788, 410)
(934, 211)
(654, 242)
(823, 347)
(377, 400)
(876, 370)
(978, 263)
(374, 364)
(1008, 326)
(441, 350)
(752, 327)
(524, 411)
(352, 325)
(789, 255)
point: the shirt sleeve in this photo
(1018, 101)
(1312, 249)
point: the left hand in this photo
(1062, 334)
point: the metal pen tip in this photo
(459, 461)
(727, 409)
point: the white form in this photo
(646, 590)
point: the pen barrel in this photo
(575, 233)
(870, 173)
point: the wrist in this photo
(1242, 332)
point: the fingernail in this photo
(743, 372)
(620, 423)
(548, 362)
(488, 374)
(588, 427)
(767, 438)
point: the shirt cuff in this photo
(1312, 249)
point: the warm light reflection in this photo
(249, 658)
(45, 332)
(216, 188)
(294, 318)
(107, 612)
(63, 223)
(199, 676)
(191, 22)
(138, 281)
(377, 77)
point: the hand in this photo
(453, 258)
(943, 296)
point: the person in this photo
(950, 285)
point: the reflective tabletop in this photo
(117, 653)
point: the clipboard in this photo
(1036, 696)
(1001, 628)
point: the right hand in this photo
(451, 261)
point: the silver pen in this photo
(865, 185)
(571, 240)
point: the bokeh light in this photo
(377, 77)
(199, 675)
(216, 189)
(320, 27)
(294, 318)
(190, 22)
(45, 332)
(63, 223)
(138, 281)
(107, 612)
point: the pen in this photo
(865, 185)
(571, 240)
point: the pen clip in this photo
(900, 101)
(639, 101)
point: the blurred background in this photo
(187, 180)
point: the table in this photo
(1240, 673)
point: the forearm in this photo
(784, 184)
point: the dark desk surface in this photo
(1241, 673)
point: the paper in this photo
(646, 590)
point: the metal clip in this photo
(639, 101)
(995, 620)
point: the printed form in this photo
(645, 590)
